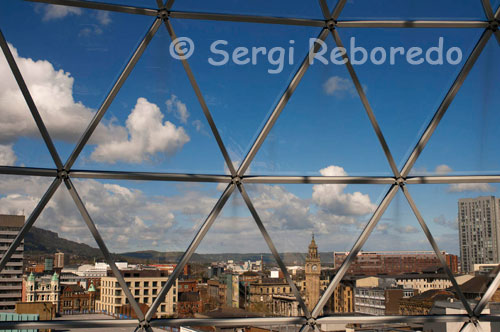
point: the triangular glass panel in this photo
(233, 270)
(260, 7)
(242, 91)
(21, 143)
(66, 61)
(421, 10)
(324, 121)
(146, 227)
(465, 140)
(309, 224)
(67, 256)
(397, 270)
(159, 123)
(464, 220)
(405, 89)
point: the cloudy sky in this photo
(71, 57)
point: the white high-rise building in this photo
(11, 278)
(479, 231)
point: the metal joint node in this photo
(330, 24)
(311, 322)
(144, 325)
(494, 25)
(163, 13)
(474, 321)
(400, 181)
(236, 180)
(63, 174)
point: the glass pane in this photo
(159, 122)
(70, 58)
(301, 9)
(233, 272)
(324, 123)
(405, 93)
(398, 269)
(242, 91)
(412, 10)
(309, 224)
(465, 140)
(147, 227)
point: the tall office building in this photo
(11, 278)
(479, 231)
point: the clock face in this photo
(314, 267)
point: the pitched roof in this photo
(73, 288)
(478, 284)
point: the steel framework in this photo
(238, 178)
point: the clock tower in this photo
(313, 271)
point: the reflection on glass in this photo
(472, 118)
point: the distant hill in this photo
(41, 242)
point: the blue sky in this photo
(72, 58)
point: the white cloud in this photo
(148, 135)
(7, 155)
(441, 220)
(103, 17)
(339, 86)
(477, 187)
(54, 12)
(443, 169)
(66, 119)
(407, 229)
(127, 218)
(92, 29)
(198, 125)
(332, 198)
(52, 91)
(282, 209)
(178, 108)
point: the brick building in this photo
(394, 262)
(75, 299)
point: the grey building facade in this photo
(479, 231)
(11, 278)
